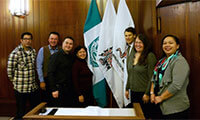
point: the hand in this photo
(55, 94)
(81, 98)
(43, 85)
(145, 98)
(127, 94)
(158, 99)
(152, 98)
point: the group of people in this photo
(66, 81)
(160, 87)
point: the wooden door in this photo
(183, 20)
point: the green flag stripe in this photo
(99, 90)
(94, 14)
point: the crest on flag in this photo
(93, 52)
(106, 58)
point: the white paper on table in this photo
(70, 111)
(78, 111)
(96, 111)
(121, 111)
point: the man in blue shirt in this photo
(43, 61)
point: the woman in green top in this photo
(140, 67)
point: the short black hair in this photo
(130, 29)
(26, 33)
(176, 39)
(55, 33)
(69, 37)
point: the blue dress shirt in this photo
(40, 60)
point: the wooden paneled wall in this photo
(183, 20)
(193, 52)
(64, 16)
(68, 16)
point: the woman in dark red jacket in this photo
(82, 78)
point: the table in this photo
(34, 114)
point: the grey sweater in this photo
(175, 80)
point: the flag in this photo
(105, 52)
(123, 21)
(91, 38)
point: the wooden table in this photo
(34, 114)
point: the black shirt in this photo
(60, 70)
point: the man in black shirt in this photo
(60, 76)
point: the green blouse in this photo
(139, 76)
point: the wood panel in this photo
(173, 22)
(64, 16)
(194, 29)
(6, 93)
(194, 54)
(146, 19)
(161, 3)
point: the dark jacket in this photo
(60, 70)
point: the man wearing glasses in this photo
(21, 72)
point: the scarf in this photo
(160, 68)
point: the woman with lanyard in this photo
(170, 81)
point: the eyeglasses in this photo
(27, 38)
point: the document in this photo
(96, 111)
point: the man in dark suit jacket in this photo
(130, 35)
(60, 75)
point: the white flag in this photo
(105, 53)
(123, 21)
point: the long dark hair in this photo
(146, 50)
(176, 39)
